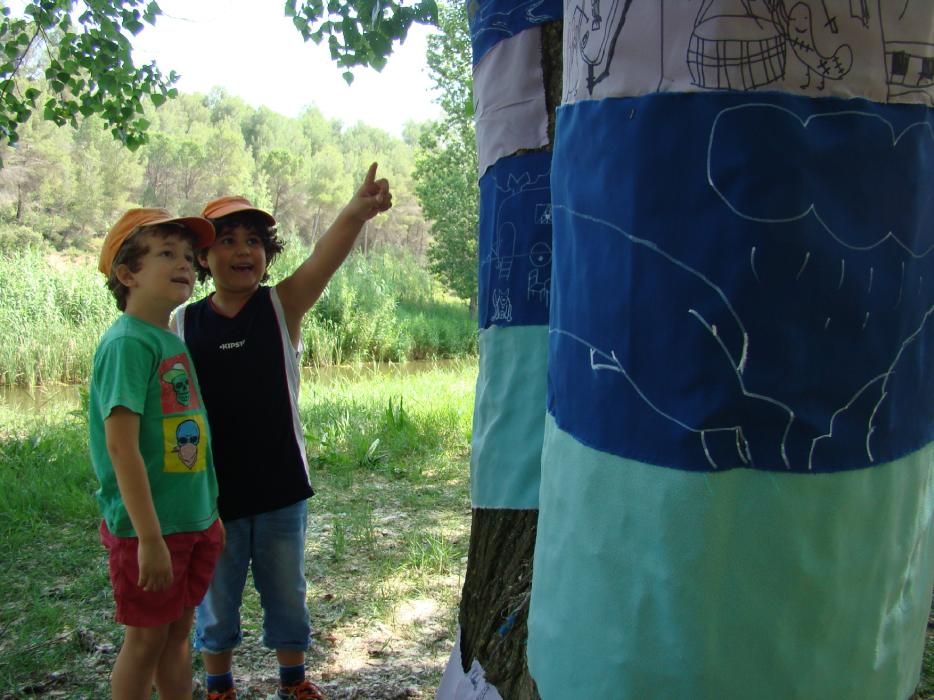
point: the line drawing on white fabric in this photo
(744, 44)
(736, 45)
(800, 35)
(594, 29)
(909, 54)
(859, 9)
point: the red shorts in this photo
(194, 555)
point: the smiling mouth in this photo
(181, 280)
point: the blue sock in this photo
(291, 675)
(220, 682)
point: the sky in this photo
(252, 50)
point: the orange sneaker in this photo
(306, 690)
(229, 694)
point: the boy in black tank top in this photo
(245, 342)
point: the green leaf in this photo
(151, 12)
(347, 76)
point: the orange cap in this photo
(134, 218)
(232, 204)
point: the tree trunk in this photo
(495, 598)
(495, 601)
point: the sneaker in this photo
(229, 694)
(306, 690)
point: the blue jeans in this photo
(273, 546)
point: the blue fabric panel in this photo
(744, 281)
(661, 583)
(491, 21)
(509, 418)
(515, 242)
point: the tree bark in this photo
(495, 600)
(497, 586)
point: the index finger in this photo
(370, 175)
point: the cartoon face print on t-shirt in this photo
(184, 440)
(178, 391)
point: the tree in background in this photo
(446, 165)
(85, 65)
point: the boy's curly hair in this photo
(132, 251)
(255, 224)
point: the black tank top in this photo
(249, 377)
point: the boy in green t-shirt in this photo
(150, 446)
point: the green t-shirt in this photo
(148, 370)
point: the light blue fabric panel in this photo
(508, 423)
(662, 583)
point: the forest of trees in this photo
(68, 185)
(77, 154)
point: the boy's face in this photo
(237, 260)
(166, 275)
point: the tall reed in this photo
(380, 307)
(51, 316)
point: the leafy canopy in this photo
(359, 33)
(73, 58)
(80, 63)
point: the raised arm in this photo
(299, 291)
(121, 431)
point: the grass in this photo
(383, 307)
(386, 546)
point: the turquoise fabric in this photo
(660, 583)
(508, 421)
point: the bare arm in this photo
(121, 430)
(299, 291)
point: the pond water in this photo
(56, 397)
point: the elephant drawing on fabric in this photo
(696, 328)
(777, 289)
(845, 258)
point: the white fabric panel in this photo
(509, 105)
(882, 51)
